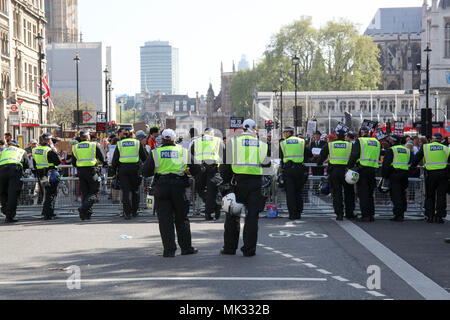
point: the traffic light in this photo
(269, 125)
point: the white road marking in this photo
(269, 248)
(339, 278)
(356, 285)
(276, 251)
(298, 260)
(426, 287)
(287, 255)
(324, 271)
(310, 265)
(5, 283)
(376, 294)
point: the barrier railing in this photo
(109, 199)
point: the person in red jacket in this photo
(154, 133)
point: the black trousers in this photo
(294, 181)
(248, 192)
(436, 193)
(50, 194)
(172, 207)
(206, 186)
(10, 188)
(366, 188)
(399, 185)
(338, 185)
(130, 181)
(89, 186)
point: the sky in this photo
(206, 32)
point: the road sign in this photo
(101, 117)
(14, 108)
(87, 117)
(20, 101)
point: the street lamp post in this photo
(428, 50)
(436, 96)
(40, 40)
(281, 98)
(106, 71)
(77, 60)
(295, 62)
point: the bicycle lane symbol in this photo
(306, 234)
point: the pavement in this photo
(316, 258)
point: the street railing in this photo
(109, 199)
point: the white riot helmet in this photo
(249, 125)
(229, 205)
(352, 177)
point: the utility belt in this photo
(11, 165)
(293, 165)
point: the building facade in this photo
(219, 109)
(21, 21)
(397, 32)
(94, 57)
(159, 68)
(62, 20)
(436, 35)
(329, 107)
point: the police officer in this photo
(46, 160)
(435, 159)
(396, 168)
(13, 161)
(246, 156)
(169, 164)
(206, 157)
(338, 155)
(128, 159)
(366, 155)
(293, 154)
(87, 155)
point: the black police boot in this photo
(363, 219)
(190, 251)
(228, 252)
(11, 220)
(168, 254)
(82, 215)
(340, 218)
(217, 213)
(397, 219)
(440, 220)
(351, 217)
(208, 217)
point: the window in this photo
(447, 40)
(36, 81)
(405, 105)
(384, 105)
(343, 106)
(363, 106)
(323, 106)
(331, 106)
(352, 106)
(391, 106)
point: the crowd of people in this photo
(228, 175)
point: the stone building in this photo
(62, 20)
(220, 108)
(397, 31)
(20, 67)
(329, 107)
(436, 34)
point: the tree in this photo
(65, 104)
(333, 58)
(127, 116)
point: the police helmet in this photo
(249, 124)
(437, 136)
(84, 133)
(54, 177)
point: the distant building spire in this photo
(234, 68)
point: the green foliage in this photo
(127, 116)
(333, 58)
(65, 104)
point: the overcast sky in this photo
(205, 31)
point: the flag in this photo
(46, 92)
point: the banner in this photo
(399, 128)
(311, 128)
(341, 127)
(380, 134)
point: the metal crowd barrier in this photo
(109, 200)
